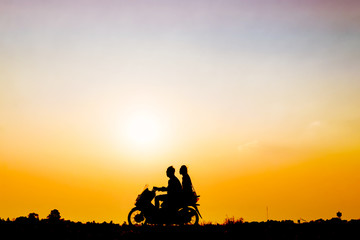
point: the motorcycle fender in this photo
(197, 210)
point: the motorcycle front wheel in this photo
(189, 216)
(136, 217)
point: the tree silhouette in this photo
(33, 217)
(339, 214)
(54, 215)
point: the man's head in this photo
(170, 171)
(183, 170)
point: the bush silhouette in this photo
(54, 216)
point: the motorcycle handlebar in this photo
(159, 189)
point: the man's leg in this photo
(160, 198)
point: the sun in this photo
(143, 130)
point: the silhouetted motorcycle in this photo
(145, 212)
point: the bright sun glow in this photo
(143, 130)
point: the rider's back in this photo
(174, 186)
(173, 190)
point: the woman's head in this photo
(183, 170)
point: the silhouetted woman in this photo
(187, 187)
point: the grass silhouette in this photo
(53, 227)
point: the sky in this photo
(260, 99)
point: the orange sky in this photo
(260, 101)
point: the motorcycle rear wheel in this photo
(189, 216)
(136, 217)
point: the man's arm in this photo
(163, 189)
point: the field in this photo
(27, 228)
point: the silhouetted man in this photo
(173, 190)
(187, 187)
